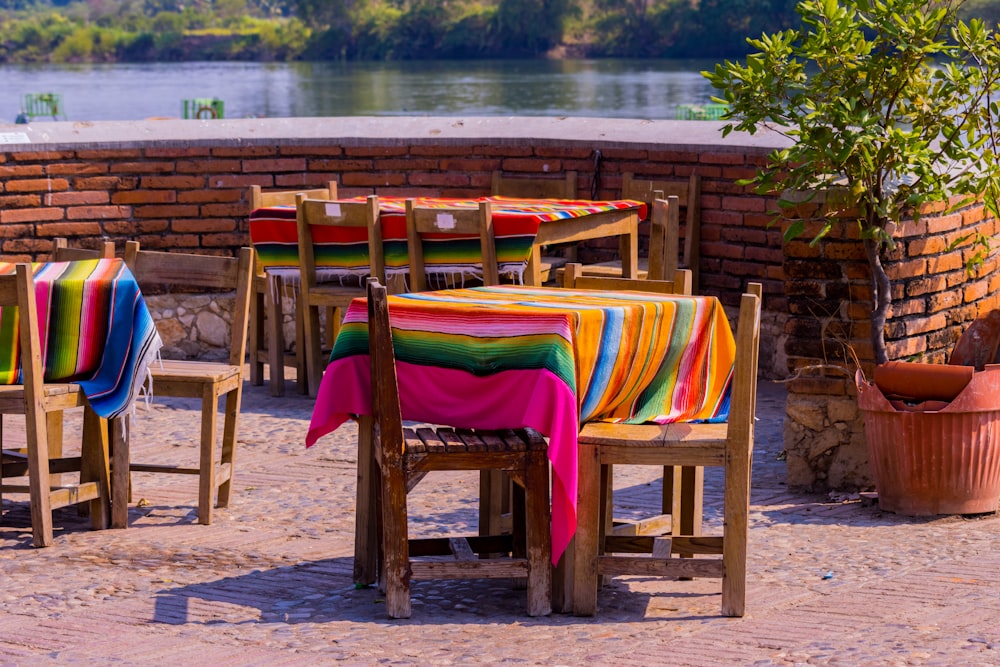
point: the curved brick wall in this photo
(183, 184)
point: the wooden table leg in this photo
(628, 248)
(533, 270)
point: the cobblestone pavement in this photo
(833, 581)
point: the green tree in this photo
(894, 102)
(530, 27)
(717, 28)
(622, 27)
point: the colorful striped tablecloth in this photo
(343, 251)
(95, 330)
(549, 359)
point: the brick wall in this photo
(178, 185)
(829, 299)
(184, 185)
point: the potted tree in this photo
(890, 106)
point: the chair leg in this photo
(606, 520)
(314, 363)
(537, 534)
(120, 476)
(229, 432)
(301, 380)
(38, 480)
(275, 335)
(588, 530)
(492, 501)
(255, 337)
(736, 508)
(365, 521)
(683, 498)
(206, 465)
(395, 544)
(54, 435)
(94, 466)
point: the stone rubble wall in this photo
(193, 326)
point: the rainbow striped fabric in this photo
(549, 359)
(95, 330)
(274, 235)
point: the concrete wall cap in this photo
(402, 131)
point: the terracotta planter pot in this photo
(945, 461)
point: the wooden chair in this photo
(663, 243)
(206, 380)
(535, 187)
(575, 277)
(315, 295)
(664, 226)
(37, 400)
(423, 220)
(683, 487)
(404, 456)
(681, 445)
(267, 346)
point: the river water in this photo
(597, 88)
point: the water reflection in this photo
(599, 88)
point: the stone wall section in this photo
(193, 326)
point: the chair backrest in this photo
(18, 290)
(422, 220)
(387, 415)
(209, 272)
(664, 231)
(534, 187)
(260, 199)
(61, 252)
(316, 212)
(573, 278)
(743, 400)
(688, 195)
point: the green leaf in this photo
(794, 230)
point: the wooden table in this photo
(548, 359)
(521, 226)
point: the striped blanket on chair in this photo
(95, 330)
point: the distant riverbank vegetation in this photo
(75, 31)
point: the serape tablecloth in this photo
(95, 330)
(344, 251)
(549, 359)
